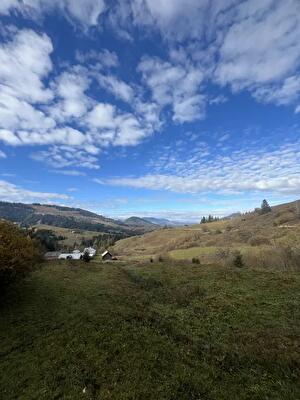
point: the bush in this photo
(18, 253)
(222, 255)
(258, 241)
(165, 258)
(238, 260)
(195, 260)
(230, 258)
(86, 257)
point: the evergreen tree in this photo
(265, 207)
(203, 220)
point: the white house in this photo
(75, 255)
(91, 251)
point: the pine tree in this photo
(265, 207)
(203, 220)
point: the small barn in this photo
(106, 256)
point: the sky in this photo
(173, 108)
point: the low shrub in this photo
(238, 260)
(258, 241)
(275, 257)
(229, 258)
(195, 260)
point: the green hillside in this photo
(151, 331)
(260, 238)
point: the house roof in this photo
(105, 252)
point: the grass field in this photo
(151, 331)
(255, 235)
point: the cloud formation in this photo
(11, 192)
(85, 12)
(80, 107)
(273, 170)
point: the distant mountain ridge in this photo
(163, 221)
(69, 217)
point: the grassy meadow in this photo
(261, 239)
(168, 330)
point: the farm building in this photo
(90, 250)
(75, 255)
(106, 256)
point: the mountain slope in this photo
(137, 221)
(163, 221)
(249, 232)
(67, 217)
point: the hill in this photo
(69, 221)
(137, 221)
(163, 221)
(151, 331)
(252, 234)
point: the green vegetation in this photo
(18, 253)
(209, 219)
(49, 241)
(161, 330)
(265, 208)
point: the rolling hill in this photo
(137, 221)
(69, 218)
(254, 235)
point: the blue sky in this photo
(170, 109)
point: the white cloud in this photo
(118, 88)
(262, 48)
(70, 88)
(66, 157)
(250, 45)
(282, 94)
(69, 172)
(86, 12)
(9, 137)
(175, 85)
(110, 126)
(67, 136)
(104, 58)
(24, 62)
(18, 114)
(2, 154)
(11, 192)
(6, 5)
(261, 170)
(175, 19)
